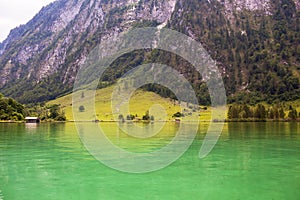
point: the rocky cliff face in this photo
(49, 49)
(41, 47)
(252, 5)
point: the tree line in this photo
(130, 117)
(10, 109)
(46, 112)
(261, 112)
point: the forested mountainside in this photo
(255, 44)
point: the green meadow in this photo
(141, 101)
(162, 109)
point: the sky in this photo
(16, 12)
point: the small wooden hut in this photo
(32, 120)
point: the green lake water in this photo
(250, 161)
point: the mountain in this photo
(255, 44)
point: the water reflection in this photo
(114, 147)
(31, 128)
(263, 130)
(1, 196)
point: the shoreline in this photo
(148, 122)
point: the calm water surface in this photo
(250, 161)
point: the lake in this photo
(250, 161)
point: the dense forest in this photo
(260, 53)
(11, 110)
(260, 112)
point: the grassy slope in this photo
(139, 104)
